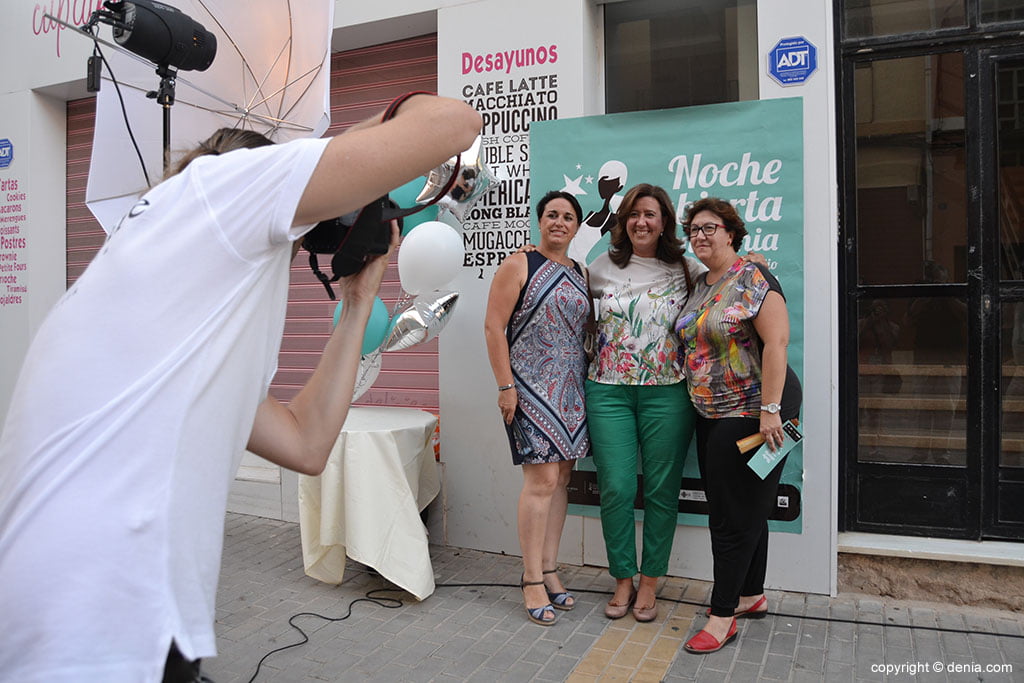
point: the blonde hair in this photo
(223, 141)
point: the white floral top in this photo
(636, 311)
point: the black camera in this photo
(352, 239)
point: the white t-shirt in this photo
(130, 416)
(637, 308)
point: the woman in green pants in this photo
(637, 402)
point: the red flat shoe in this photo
(756, 611)
(704, 643)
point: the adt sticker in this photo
(6, 153)
(792, 61)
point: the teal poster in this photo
(749, 153)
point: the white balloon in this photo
(429, 257)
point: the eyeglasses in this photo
(708, 229)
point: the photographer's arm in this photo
(372, 158)
(300, 435)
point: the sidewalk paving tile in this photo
(479, 633)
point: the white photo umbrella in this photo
(271, 74)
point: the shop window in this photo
(663, 53)
(911, 380)
(911, 177)
(867, 18)
(993, 11)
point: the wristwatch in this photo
(772, 408)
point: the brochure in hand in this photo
(765, 459)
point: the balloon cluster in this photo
(428, 259)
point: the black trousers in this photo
(739, 505)
(181, 670)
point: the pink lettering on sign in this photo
(74, 12)
(13, 242)
(506, 60)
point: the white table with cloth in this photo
(380, 475)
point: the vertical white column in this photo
(515, 62)
(816, 546)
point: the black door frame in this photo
(996, 481)
(981, 477)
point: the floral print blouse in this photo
(636, 309)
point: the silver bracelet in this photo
(505, 387)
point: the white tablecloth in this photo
(366, 504)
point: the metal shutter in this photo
(84, 234)
(363, 82)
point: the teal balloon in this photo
(405, 197)
(377, 326)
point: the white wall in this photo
(808, 561)
(481, 485)
(39, 53)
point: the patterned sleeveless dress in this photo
(549, 365)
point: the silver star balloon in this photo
(421, 321)
(473, 181)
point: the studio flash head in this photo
(162, 34)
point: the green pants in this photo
(657, 421)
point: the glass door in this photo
(912, 465)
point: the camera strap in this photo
(395, 211)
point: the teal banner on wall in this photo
(750, 153)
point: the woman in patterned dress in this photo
(536, 317)
(735, 331)
(637, 401)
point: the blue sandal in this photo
(560, 600)
(537, 614)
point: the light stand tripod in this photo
(164, 96)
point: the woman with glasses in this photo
(637, 403)
(735, 330)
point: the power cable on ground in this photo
(389, 602)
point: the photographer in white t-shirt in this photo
(149, 378)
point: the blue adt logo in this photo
(792, 61)
(6, 153)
